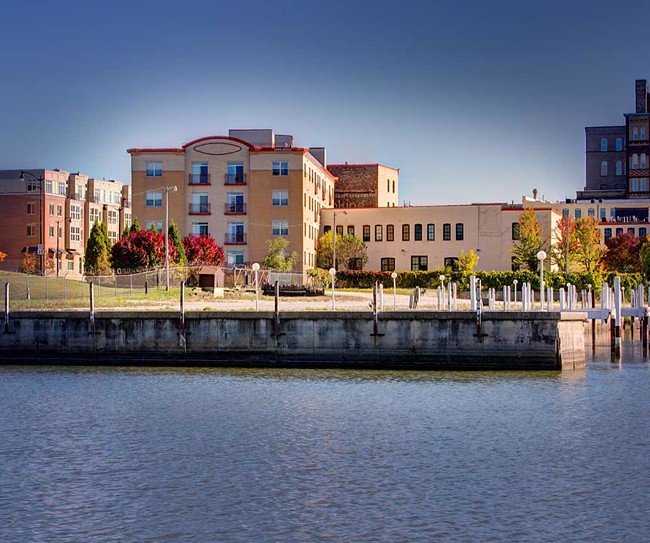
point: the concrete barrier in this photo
(406, 340)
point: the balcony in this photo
(235, 179)
(199, 209)
(235, 209)
(235, 238)
(199, 179)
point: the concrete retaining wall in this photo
(421, 340)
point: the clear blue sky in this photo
(474, 101)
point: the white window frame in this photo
(280, 198)
(153, 169)
(153, 196)
(280, 168)
(280, 228)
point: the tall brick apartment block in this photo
(57, 213)
(243, 190)
(618, 157)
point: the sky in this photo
(473, 101)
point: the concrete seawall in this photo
(407, 340)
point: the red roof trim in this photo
(171, 150)
(229, 138)
(362, 166)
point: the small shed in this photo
(212, 278)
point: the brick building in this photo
(53, 210)
(365, 185)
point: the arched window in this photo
(619, 144)
(635, 160)
(619, 167)
(644, 160)
(603, 168)
(603, 144)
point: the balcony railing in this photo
(235, 179)
(235, 209)
(199, 209)
(233, 238)
(199, 178)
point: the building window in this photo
(59, 211)
(460, 231)
(279, 228)
(350, 230)
(327, 228)
(387, 185)
(379, 232)
(619, 231)
(339, 230)
(643, 187)
(75, 233)
(31, 230)
(235, 258)
(280, 168)
(643, 132)
(280, 198)
(235, 175)
(355, 264)
(591, 212)
(62, 188)
(578, 213)
(51, 208)
(644, 160)
(514, 266)
(200, 229)
(603, 144)
(112, 217)
(51, 231)
(446, 231)
(417, 232)
(200, 174)
(603, 168)
(451, 262)
(406, 232)
(75, 213)
(390, 232)
(70, 265)
(635, 161)
(619, 167)
(153, 199)
(515, 231)
(33, 185)
(635, 134)
(366, 232)
(643, 232)
(619, 144)
(155, 225)
(48, 186)
(154, 169)
(419, 263)
(431, 232)
(31, 209)
(635, 185)
(630, 231)
(387, 264)
(94, 215)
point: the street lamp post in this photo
(333, 274)
(41, 205)
(256, 268)
(514, 282)
(394, 278)
(167, 190)
(541, 256)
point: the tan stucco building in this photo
(243, 189)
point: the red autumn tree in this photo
(141, 249)
(623, 253)
(203, 251)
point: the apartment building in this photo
(365, 185)
(432, 237)
(49, 213)
(243, 189)
(617, 157)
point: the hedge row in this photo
(489, 279)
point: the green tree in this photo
(529, 240)
(135, 226)
(175, 241)
(644, 257)
(467, 262)
(348, 248)
(278, 257)
(588, 252)
(558, 250)
(97, 260)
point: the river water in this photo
(212, 455)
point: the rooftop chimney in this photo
(641, 96)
